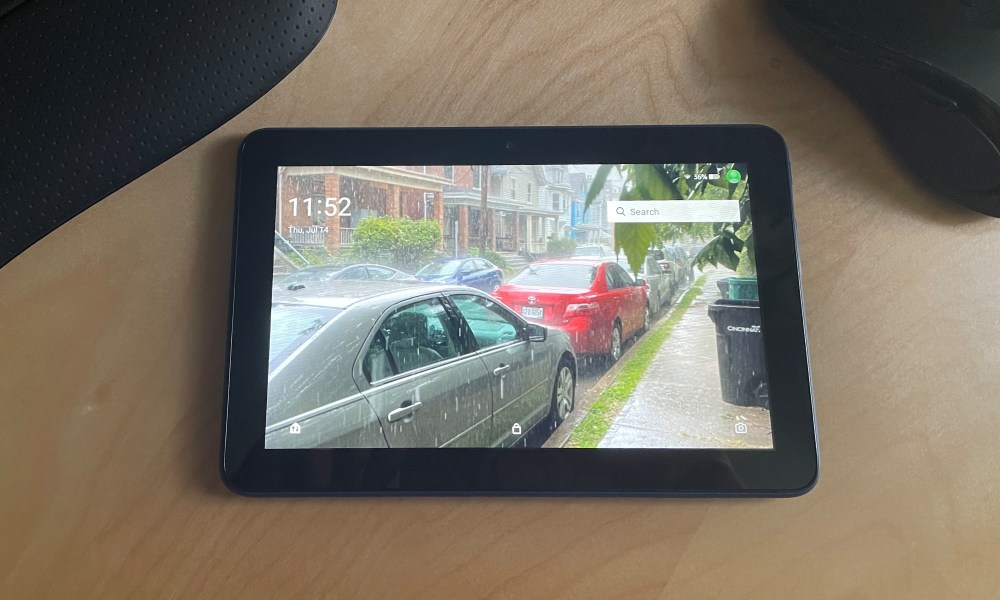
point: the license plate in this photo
(531, 312)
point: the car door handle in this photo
(404, 411)
(501, 370)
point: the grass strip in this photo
(603, 411)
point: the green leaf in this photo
(597, 185)
(751, 252)
(650, 184)
(634, 239)
(667, 180)
(721, 250)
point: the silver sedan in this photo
(396, 364)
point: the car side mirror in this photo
(536, 333)
(640, 281)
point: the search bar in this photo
(673, 211)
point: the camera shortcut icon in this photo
(740, 428)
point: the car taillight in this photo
(581, 310)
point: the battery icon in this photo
(714, 176)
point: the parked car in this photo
(321, 274)
(592, 251)
(659, 285)
(390, 364)
(473, 272)
(687, 263)
(596, 302)
(678, 265)
(669, 268)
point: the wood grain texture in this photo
(112, 341)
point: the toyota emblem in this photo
(532, 299)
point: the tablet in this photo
(533, 311)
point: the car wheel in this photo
(645, 320)
(615, 351)
(563, 393)
(496, 285)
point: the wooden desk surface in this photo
(112, 340)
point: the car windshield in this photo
(556, 275)
(291, 326)
(444, 267)
(587, 251)
(623, 263)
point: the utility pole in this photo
(484, 192)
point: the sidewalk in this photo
(678, 403)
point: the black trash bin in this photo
(738, 339)
(723, 286)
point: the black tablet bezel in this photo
(791, 468)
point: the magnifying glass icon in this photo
(621, 211)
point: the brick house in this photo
(321, 206)
(527, 204)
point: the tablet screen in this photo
(552, 306)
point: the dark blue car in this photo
(473, 272)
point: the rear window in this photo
(447, 267)
(291, 326)
(562, 275)
(587, 251)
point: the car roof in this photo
(340, 266)
(572, 261)
(342, 294)
(624, 259)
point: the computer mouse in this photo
(928, 75)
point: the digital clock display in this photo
(330, 207)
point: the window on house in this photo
(477, 177)
(449, 172)
(530, 198)
(513, 188)
(556, 202)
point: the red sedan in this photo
(596, 302)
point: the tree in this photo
(728, 241)
(403, 242)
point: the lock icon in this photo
(516, 429)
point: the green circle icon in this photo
(733, 176)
